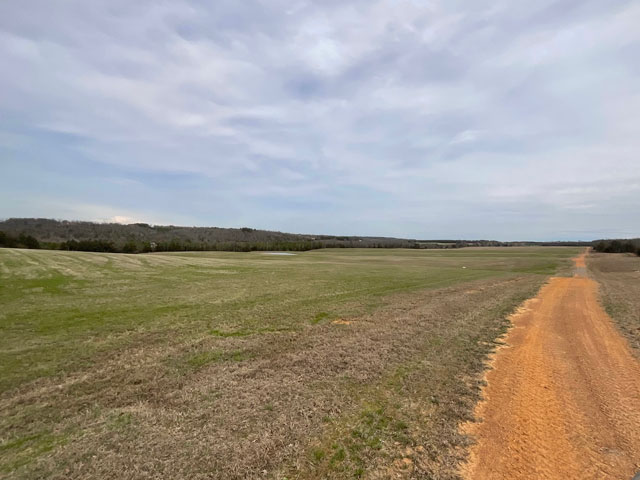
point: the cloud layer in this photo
(490, 119)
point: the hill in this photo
(138, 237)
(142, 237)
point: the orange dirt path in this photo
(563, 398)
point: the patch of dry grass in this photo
(619, 277)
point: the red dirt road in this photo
(563, 397)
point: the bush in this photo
(28, 241)
(7, 240)
(130, 247)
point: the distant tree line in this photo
(618, 246)
(60, 231)
(142, 238)
(176, 245)
(188, 246)
(133, 245)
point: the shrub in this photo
(130, 247)
(28, 241)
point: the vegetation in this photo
(144, 238)
(21, 241)
(618, 246)
(326, 364)
(620, 290)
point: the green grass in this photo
(29, 447)
(60, 310)
(319, 317)
(65, 315)
(203, 358)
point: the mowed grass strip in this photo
(227, 365)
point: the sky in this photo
(419, 119)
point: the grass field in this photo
(326, 364)
(619, 278)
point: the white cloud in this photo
(428, 113)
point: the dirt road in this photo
(563, 397)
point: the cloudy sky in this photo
(440, 118)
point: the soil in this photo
(563, 397)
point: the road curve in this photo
(562, 399)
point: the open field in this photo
(327, 364)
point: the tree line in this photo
(143, 238)
(133, 245)
(618, 246)
(59, 231)
(176, 245)
(188, 246)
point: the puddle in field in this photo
(277, 253)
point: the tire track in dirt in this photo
(562, 400)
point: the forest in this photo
(144, 238)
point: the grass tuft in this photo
(319, 317)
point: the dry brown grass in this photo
(619, 278)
